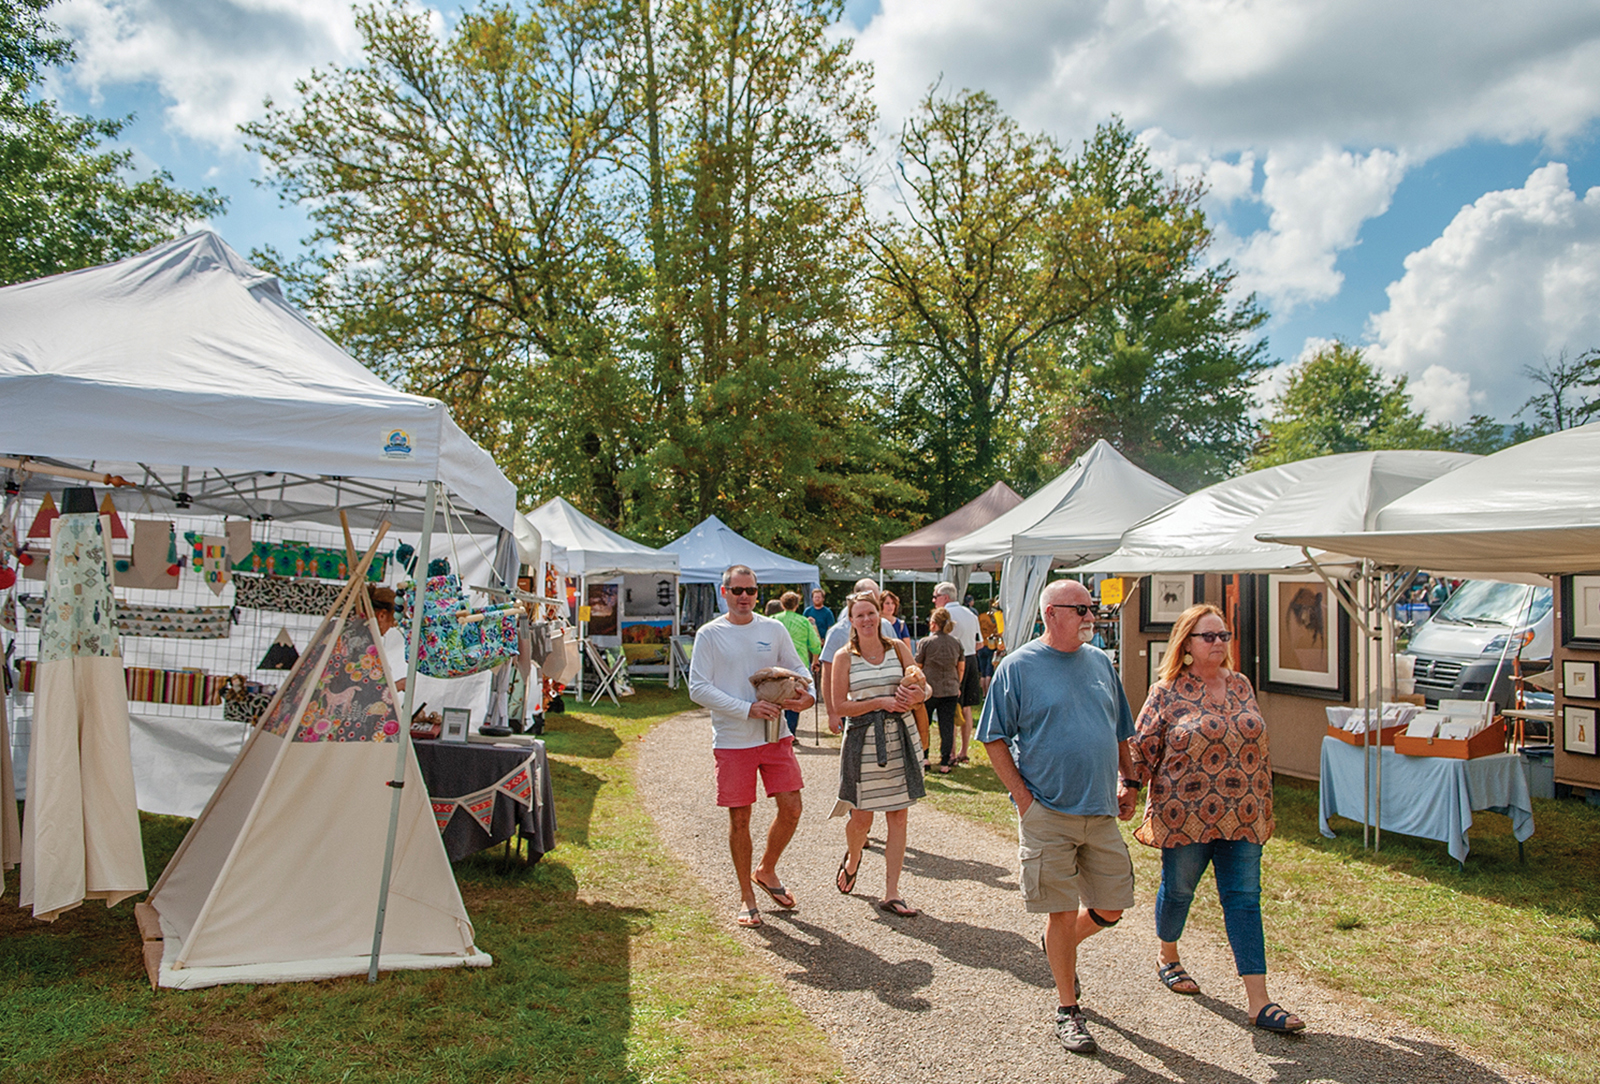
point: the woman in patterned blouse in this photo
(1202, 746)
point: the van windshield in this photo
(1489, 602)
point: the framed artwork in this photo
(1580, 611)
(1305, 638)
(1579, 730)
(1158, 652)
(457, 721)
(1578, 679)
(1164, 596)
(602, 602)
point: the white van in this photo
(1456, 650)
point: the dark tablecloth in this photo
(457, 769)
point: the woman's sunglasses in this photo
(1213, 637)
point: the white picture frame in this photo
(1578, 679)
(457, 721)
(1578, 725)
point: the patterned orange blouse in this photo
(1206, 762)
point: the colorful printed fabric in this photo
(354, 701)
(285, 596)
(1207, 764)
(79, 613)
(168, 622)
(288, 558)
(282, 716)
(452, 647)
(193, 688)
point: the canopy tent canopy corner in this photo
(923, 550)
(707, 550)
(1076, 516)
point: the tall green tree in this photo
(65, 200)
(613, 236)
(462, 239)
(980, 276)
(752, 114)
(1164, 367)
(1337, 401)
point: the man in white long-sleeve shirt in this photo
(726, 652)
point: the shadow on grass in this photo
(556, 1005)
(576, 791)
(1560, 877)
(571, 735)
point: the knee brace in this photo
(1102, 920)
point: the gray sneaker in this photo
(1073, 1032)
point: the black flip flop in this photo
(780, 895)
(848, 884)
(899, 908)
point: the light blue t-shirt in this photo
(1062, 714)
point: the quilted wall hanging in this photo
(173, 622)
(288, 558)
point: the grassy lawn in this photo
(608, 967)
(1504, 956)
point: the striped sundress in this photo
(882, 789)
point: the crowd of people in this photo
(1059, 733)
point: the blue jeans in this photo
(1238, 866)
(793, 719)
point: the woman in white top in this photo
(880, 763)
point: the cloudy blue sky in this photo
(1419, 177)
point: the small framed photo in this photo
(1578, 679)
(1579, 730)
(1164, 598)
(1158, 652)
(1580, 611)
(456, 723)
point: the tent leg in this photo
(403, 745)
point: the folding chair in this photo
(610, 672)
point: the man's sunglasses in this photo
(741, 590)
(1212, 637)
(1079, 608)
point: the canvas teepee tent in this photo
(278, 880)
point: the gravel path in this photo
(962, 993)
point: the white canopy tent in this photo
(1215, 529)
(185, 371)
(1533, 508)
(595, 554)
(709, 548)
(1080, 514)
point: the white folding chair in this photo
(610, 672)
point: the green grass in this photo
(1504, 956)
(608, 967)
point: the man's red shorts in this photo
(737, 768)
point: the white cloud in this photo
(1513, 279)
(1335, 98)
(213, 60)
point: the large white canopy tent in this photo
(1533, 508)
(1215, 529)
(1080, 514)
(595, 554)
(707, 550)
(185, 371)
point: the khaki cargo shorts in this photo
(1070, 860)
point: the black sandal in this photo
(1173, 975)
(1274, 1017)
(844, 880)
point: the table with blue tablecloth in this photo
(1431, 797)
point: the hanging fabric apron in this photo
(80, 839)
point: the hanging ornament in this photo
(282, 655)
(46, 515)
(109, 509)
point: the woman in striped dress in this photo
(880, 763)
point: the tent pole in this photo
(403, 745)
(1366, 734)
(1375, 692)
